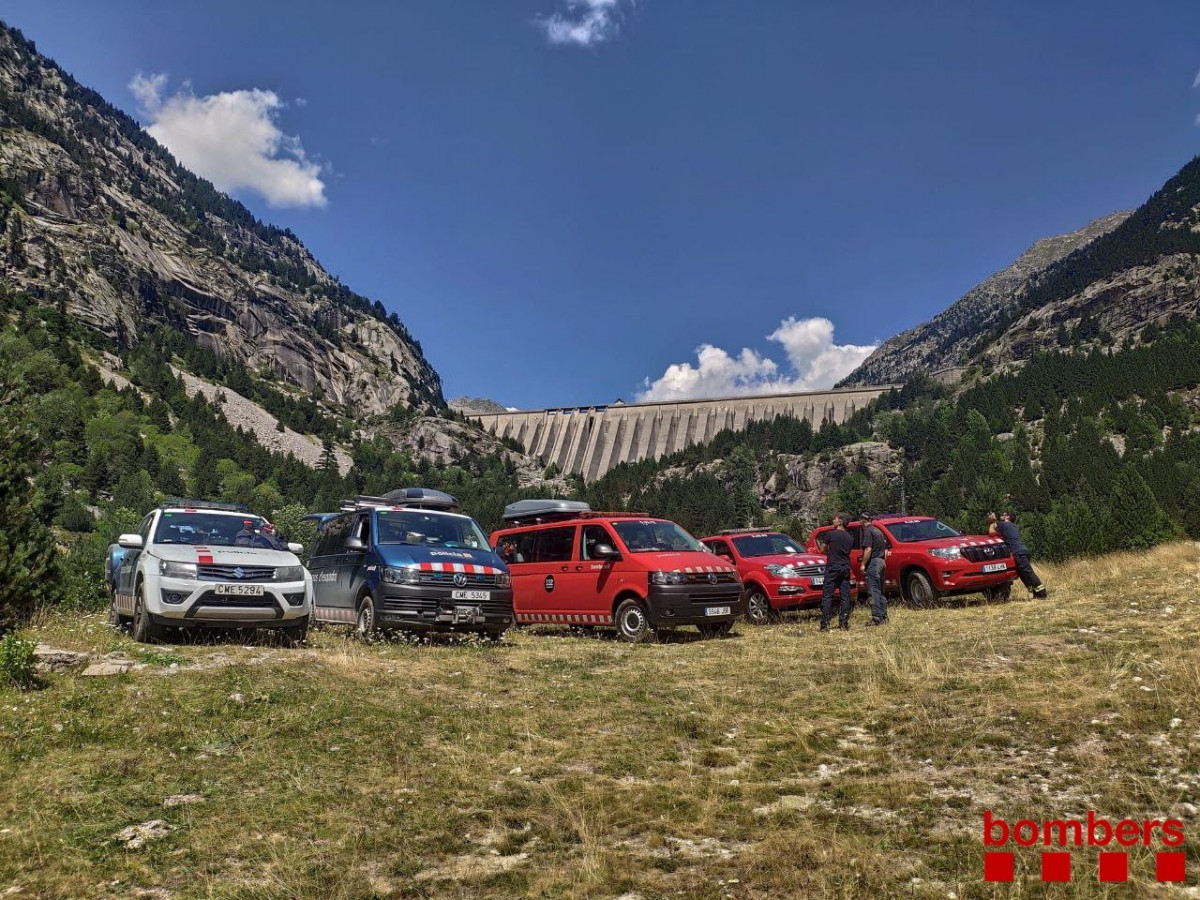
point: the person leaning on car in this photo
(836, 546)
(1005, 527)
(875, 548)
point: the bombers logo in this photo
(1094, 831)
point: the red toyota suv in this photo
(627, 571)
(778, 573)
(928, 559)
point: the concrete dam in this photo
(590, 440)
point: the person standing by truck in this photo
(875, 548)
(1005, 527)
(836, 546)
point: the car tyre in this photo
(115, 619)
(1001, 593)
(919, 590)
(295, 634)
(633, 623)
(759, 610)
(365, 623)
(713, 630)
(145, 631)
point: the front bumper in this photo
(179, 602)
(968, 578)
(429, 607)
(685, 604)
(794, 592)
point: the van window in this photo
(333, 536)
(555, 544)
(523, 547)
(593, 535)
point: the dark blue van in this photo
(406, 561)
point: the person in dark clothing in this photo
(1004, 526)
(836, 545)
(875, 548)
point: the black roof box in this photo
(412, 497)
(532, 512)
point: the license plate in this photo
(717, 611)
(468, 614)
(240, 590)
(995, 567)
(818, 581)
(469, 595)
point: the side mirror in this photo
(356, 544)
(131, 541)
(605, 551)
(296, 548)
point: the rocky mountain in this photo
(99, 219)
(945, 340)
(1104, 284)
(475, 405)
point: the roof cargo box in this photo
(533, 511)
(421, 498)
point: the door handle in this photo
(579, 568)
(564, 568)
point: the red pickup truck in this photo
(927, 559)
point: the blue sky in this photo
(564, 198)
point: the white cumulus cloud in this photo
(814, 363)
(233, 139)
(582, 23)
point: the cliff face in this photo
(99, 218)
(946, 340)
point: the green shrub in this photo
(16, 661)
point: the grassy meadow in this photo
(777, 763)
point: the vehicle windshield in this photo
(208, 529)
(415, 526)
(766, 545)
(652, 536)
(920, 530)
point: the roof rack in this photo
(763, 530)
(409, 498)
(188, 503)
(539, 512)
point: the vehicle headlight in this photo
(503, 579)
(946, 552)
(395, 575)
(667, 578)
(170, 569)
(782, 571)
(289, 573)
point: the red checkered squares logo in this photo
(1059, 836)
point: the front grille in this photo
(429, 607)
(703, 577)
(808, 571)
(266, 601)
(447, 579)
(717, 597)
(230, 573)
(986, 553)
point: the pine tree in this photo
(29, 563)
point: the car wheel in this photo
(364, 622)
(144, 630)
(711, 630)
(1001, 593)
(115, 619)
(633, 624)
(759, 610)
(919, 590)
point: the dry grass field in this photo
(777, 763)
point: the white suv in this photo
(196, 564)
